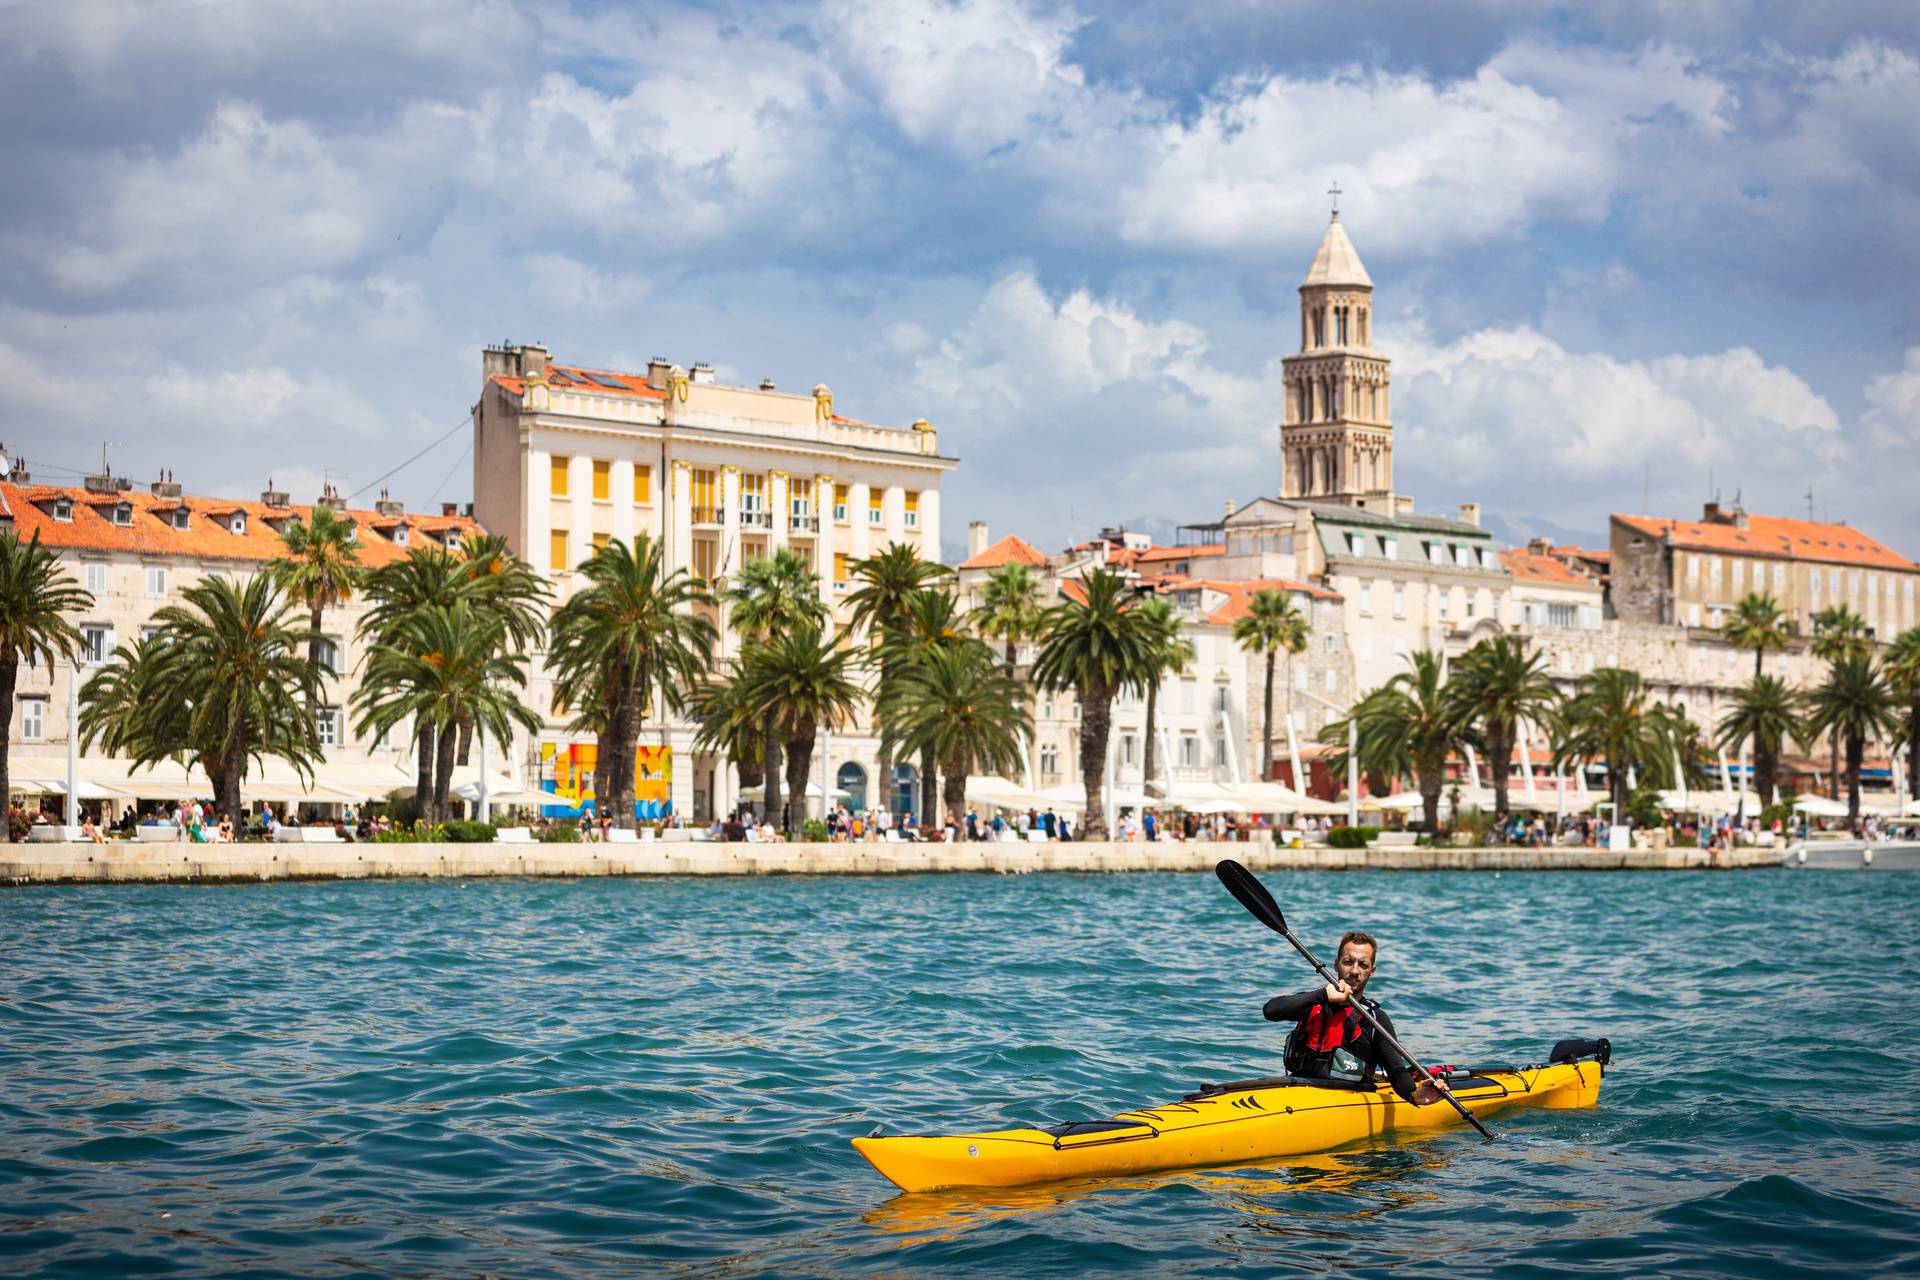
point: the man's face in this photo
(1354, 965)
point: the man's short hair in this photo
(1362, 939)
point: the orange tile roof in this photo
(1156, 554)
(1011, 549)
(1239, 602)
(152, 533)
(1775, 536)
(1535, 567)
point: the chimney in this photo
(701, 374)
(272, 497)
(501, 361)
(657, 369)
(1402, 504)
(330, 497)
(387, 507)
(766, 384)
(976, 538)
(103, 483)
(1229, 507)
(1540, 546)
(165, 487)
(1711, 514)
(533, 360)
(19, 473)
(449, 508)
(1470, 514)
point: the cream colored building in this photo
(135, 549)
(567, 457)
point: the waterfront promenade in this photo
(137, 863)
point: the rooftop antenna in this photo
(1334, 191)
(1809, 502)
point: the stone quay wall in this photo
(52, 863)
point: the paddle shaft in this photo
(1386, 1035)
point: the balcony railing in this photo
(707, 515)
(803, 524)
(756, 520)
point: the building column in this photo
(580, 499)
(930, 523)
(680, 509)
(778, 511)
(857, 520)
(727, 565)
(893, 513)
(723, 780)
(826, 542)
(620, 489)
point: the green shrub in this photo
(563, 834)
(418, 833)
(1351, 837)
(470, 832)
(1643, 807)
(1472, 826)
(1781, 811)
(814, 831)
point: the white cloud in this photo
(565, 282)
(1893, 404)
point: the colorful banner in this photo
(566, 769)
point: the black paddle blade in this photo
(1253, 895)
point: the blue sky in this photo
(1622, 252)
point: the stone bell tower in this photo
(1336, 439)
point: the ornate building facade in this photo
(1336, 435)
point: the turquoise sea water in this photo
(528, 1079)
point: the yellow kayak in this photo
(1245, 1122)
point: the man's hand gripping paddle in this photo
(1253, 895)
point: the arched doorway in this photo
(852, 779)
(906, 790)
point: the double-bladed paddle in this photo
(1253, 895)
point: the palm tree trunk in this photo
(1013, 654)
(929, 788)
(1617, 783)
(1856, 748)
(9, 681)
(1500, 748)
(313, 655)
(770, 780)
(423, 773)
(1764, 771)
(1758, 653)
(1266, 727)
(953, 793)
(1913, 751)
(1153, 714)
(443, 771)
(233, 764)
(799, 760)
(1431, 782)
(1096, 710)
(883, 758)
(1833, 765)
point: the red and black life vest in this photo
(1325, 1029)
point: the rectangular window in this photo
(1486, 559)
(1440, 600)
(1436, 553)
(602, 480)
(876, 506)
(913, 509)
(1128, 745)
(1560, 615)
(1332, 642)
(1693, 568)
(1713, 570)
(1366, 648)
(557, 476)
(1189, 696)
(1779, 577)
(33, 719)
(557, 556)
(1333, 682)
(1463, 556)
(95, 574)
(156, 581)
(1399, 600)
(800, 500)
(1356, 545)
(705, 556)
(1693, 615)
(1219, 753)
(1390, 548)
(96, 643)
(329, 655)
(327, 721)
(840, 566)
(1473, 603)
(1739, 574)
(642, 485)
(753, 494)
(1189, 750)
(1366, 599)
(601, 539)
(840, 503)
(1222, 698)
(706, 510)
(1299, 677)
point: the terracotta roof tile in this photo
(1154, 555)
(1775, 536)
(206, 537)
(1011, 549)
(1535, 567)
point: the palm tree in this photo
(929, 623)
(1095, 646)
(798, 681)
(1500, 684)
(1902, 670)
(427, 578)
(1273, 623)
(887, 582)
(221, 683)
(1010, 609)
(1610, 716)
(321, 566)
(1409, 727)
(958, 706)
(628, 634)
(1767, 713)
(1838, 633)
(1757, 623)
(445, 668)
(1854, 704)
(771, 595)
(727, 725)
(36, 595)
(1169, 654)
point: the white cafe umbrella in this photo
(1820, 807)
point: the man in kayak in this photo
(1332, 1040)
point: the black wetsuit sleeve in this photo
(1292, 1008)
(1399, 1071)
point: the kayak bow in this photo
(1244, 1122)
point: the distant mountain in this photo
(1515, 529)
